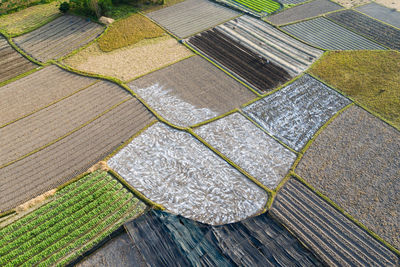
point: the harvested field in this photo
(191, 91)
(49, 124)
(77, 218)
(389, 3)
(27, 95)
(308, 10)
(326, 34)
(249, 147)
(368, 27)
(295, 113)
(70, 156)
(355, 162)
(381, 13)
(58, 38)
(12, 63)
(132, 61)
(183, 242)
(237, 58)
(333, 237)
(254, 7)
(274, 45)
(192, 16)
(175, 170)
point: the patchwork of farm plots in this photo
(381, 13)
(254, 7)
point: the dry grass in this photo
(35, 201)
(370, 77)
(101, 165)
(147, 9)
(129, 31)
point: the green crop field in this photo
(259, 6)
(78, 217)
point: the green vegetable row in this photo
(268, 6)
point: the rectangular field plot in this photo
(38, 90)
(192, 16)
(76, 219)
(292, 2)
(333, 237)
(381, 13)
(12, 63)
(49, 124)
(355, 162)
(294, 113)
(182, 242)
(326, 34)
(175, 170)
(305, 11)
(58, 38)
(368, 27)
(254, 7)
(70, 156)
(249, 147)
(191, 91)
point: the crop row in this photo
(268, 6)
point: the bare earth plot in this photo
(175, 170)
(294, 113)
(11, 62)
(192, 16)
(70, 156)
(164, 239)
(49, 124)
(305, 11)
(249, 147)
(265, 40)
(326, 34)
(58, 38)
(389, 3)
(352, 3)
(368, 27)
(355, 162)
(38, 90)
(332, 236)
(381, 13)
(191, 91)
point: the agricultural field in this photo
(332, 236)
(183, 242)
(12, 63)
(175, 170)
(192, 16)
(78, 217)
(381, 13)
(292, 2)
(294, 113)
(390, 4)
(58, 38)
(249, 147)
(257, 7)
(368, 27)
(305, 11)
(326, 34)
(354, 3)
(355, 162)
(191, 91)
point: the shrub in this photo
(64, 7)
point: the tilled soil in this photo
(70, 156)
(368, 27)
(251, 67)
(333, 237)
(355, 162)
(382, 13)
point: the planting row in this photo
(257, 7)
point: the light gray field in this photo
(382, 13)
(287, 2)
(177, 171)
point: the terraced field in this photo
(58, 38)
(79, 216)
(12, 63)
(326, 34)
(332, 236)
(381, 13)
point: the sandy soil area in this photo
(351, 3)
(390, 3)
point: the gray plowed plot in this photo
(368, 27)
(35, 91)
(192, 16)
(294, 113)
(355, 162)
(305, 11)
(11, 62)
(70, 156)
(45, 126)
(326, 34)
(262, 38)
(382, 13)
(333, 237)
(191, 91)
(58, 38)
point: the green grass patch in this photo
(129, 31)
(371, 78)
